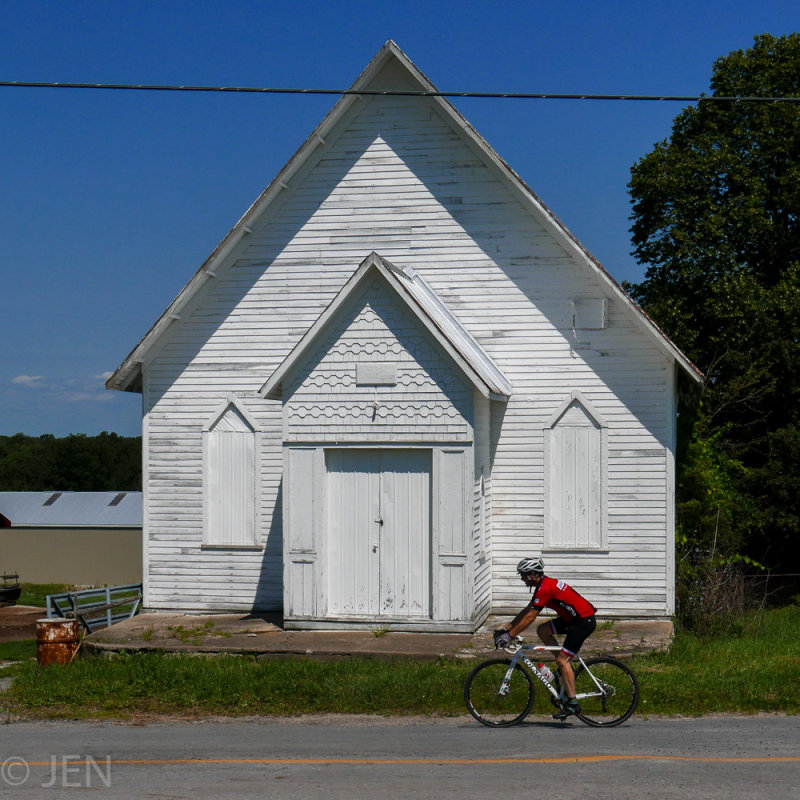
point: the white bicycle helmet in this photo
(531, 564)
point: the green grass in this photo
(756, 670)
(35, 594)
(18, 651)
(230, 685)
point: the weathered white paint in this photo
(230, 443)
(671, 414)
(453, 587)
(576, 452)
(332, 574)
(324, 401)
(413, 569)
(481, 507)
(379, 533)
(304, 528)
(390, 69)
(404, 178)
(590, 313)
(417, 302)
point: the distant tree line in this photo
(77, 463)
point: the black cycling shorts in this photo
(577, 632)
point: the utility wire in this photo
(397, 93)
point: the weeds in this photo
(229, 685)
(18, 651)
(755, 670)
(194, 635)
(35, 594)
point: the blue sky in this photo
(111, 200)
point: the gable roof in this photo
(71, 509)
(127, 376)
(424, 304)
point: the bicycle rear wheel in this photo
(616, 697)
(489, 702)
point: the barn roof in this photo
(128, 376)
(426, 306)
(71, 509)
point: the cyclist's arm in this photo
(522, 620)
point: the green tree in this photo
(716, 219)
(77, 463)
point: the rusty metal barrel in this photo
(56, 641)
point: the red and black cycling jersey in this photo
(562, 598)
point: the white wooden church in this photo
(395, 376)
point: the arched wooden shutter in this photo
(575, 477)
(230, 480)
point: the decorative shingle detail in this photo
(406, 412)
(429, 395)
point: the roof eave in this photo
(127, 377)
(532, 199)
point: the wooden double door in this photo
(378, 508)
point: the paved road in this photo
(711, 757)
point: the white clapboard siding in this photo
(396, 178)
(482, 510)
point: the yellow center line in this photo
(429, 761)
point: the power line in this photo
(399, 93)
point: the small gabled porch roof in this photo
(426, 306)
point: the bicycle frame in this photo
(517, 652)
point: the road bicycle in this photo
(499, 692)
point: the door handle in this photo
(379, 521)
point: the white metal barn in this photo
(396, 375)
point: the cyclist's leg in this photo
(577, 633)
(564, 659)
(545, 632)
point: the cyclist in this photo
(575, 619)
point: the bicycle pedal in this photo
(566, 712)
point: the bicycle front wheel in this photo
(490, 701)
(607, 691)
